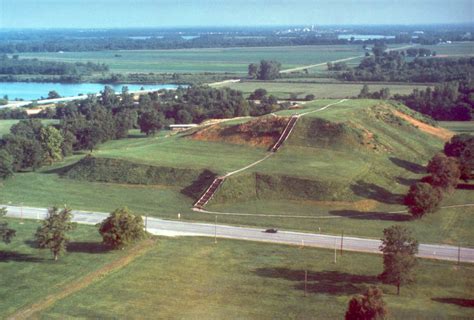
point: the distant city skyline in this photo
(188, 13)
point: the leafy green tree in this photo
(399, 248)
(258, 94)
(6, 164)
(51, 141)
(444, 171)
(269, 70)
(253, 70)
(150, 122)
(53, 95)
(29, 129)
(369, 306)
(461, 146)
(5, 233)
(52, 233)
(89, 137)
(423, 198)
(121, 228)
(364, 92)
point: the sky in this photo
(187, 13)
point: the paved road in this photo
(180, 228)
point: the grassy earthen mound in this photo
(261, 132)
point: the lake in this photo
(36, 90)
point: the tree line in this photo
(393, 66)
(85, 124)
(17, 66)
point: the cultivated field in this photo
(204, 60)
(283, 90)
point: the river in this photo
(36, 90)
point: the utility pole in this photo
(459, 253)
(342, 240)
(305, 281)
(335, 250)
(215, 230)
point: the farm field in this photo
(283, 90)
(29, 274)
(195, 278)
(458, 126)
(204, 60)
(456, 49)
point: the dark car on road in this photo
(271, 230)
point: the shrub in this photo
(121, 228)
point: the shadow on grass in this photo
(202, 182)
(467, 303)
(87, 247)
(405, 181)
(354, 214)
(61, 170)
(375, 192)
(6, 256)
(325, 282)
(465, 186)
(407, 165)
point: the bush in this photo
(370, 305)
(122, 228)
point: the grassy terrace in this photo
(204, 60)
(194, 278)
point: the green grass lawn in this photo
(204, 60)
(5, 125)
(193, 278)
(29, 274)
(282, 89)
(456, 49)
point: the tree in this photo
(150, 122)
(399, 248)
(364, 92)
(269, 70)
(88, 137)
(444, 171)
(6, 233)
(53, 95)
(121, 228)
(423, 198)
(6, 164)
(309, 97)
(368, 306)
(51, 141)
(461, 146)
(53, 232)
(253, 70)
(258, 94)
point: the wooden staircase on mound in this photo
(209, 193)
(286, 132)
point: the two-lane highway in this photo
(181, 228)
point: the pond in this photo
(36, 90)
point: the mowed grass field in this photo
(204, 60)
(456, 49)
(193, 278)
(283, 90)
(29, 274)
(5, 125)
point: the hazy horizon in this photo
(112, 14)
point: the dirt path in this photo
(441, 133)
(31, 312)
